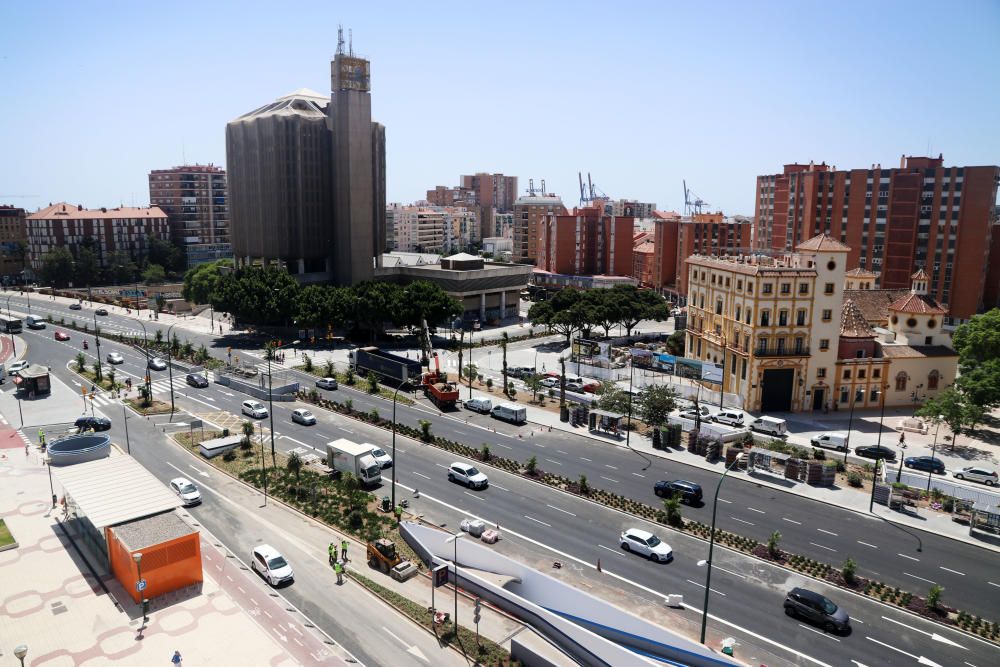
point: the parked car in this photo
(550, 382)
(115, 358)
(876, 452)
(977, 474)
(187, 491)
(92, 423)
(817, 609)
(61, 335)
(693, 414)
(690, 491)
(834, 440)
(266, 561)
(480, 405)
(925, 463)
(776, 427)
(254, 409)
(730, 417)
(382, 457)
(574, 385)
(16, 367)
(101, 311)
(157, 364)
(591, 387)
(197, 380)
(75, 306)
(327, 383)
(646, 544)
(463, 473)
(303, 416)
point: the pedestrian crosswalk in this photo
(159, 387)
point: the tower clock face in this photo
(354, 74)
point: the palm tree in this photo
(503, 348)
(672, 506)
(248, 429)
(294, 466)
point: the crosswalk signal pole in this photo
(475, 618)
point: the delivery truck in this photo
(365, 360)
(343, 456)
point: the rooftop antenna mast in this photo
(350, 41)
(340, 40)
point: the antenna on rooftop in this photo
(340, 40)
(350, 41)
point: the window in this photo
(743, 370)
(749, 315)
(786, 288)
(932, 379)
(862, 373)
(843, 394)
(928, 340)
(874, 395)
(876, 373)
(765, 318)
(827, 315)
(847, 373)
(828, 288)
(803, 288)
(749, 287)
(739, 284)
(737, 313)
(800, 343)
(701, 301)
(783, 318)
(824, 343)
(901, 381)
(800, 318)
(821, 372)
(860, 354)
(762, 344)
(767, 288)
(718, 307)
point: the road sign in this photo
(140, 585)
(196, 423)
(440, 575)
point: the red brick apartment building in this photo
(586, 242)
(896, 221)
(13, 240)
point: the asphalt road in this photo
(896, 555)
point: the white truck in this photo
(343, 456)
(508, 412)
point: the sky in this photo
(640, 95)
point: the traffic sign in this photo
(140, 585)
(440, 575)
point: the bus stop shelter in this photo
(33, 381)
(608, 422)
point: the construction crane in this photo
(589, 193)
(692, 202)
(533, 191)
(436, 387)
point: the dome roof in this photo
(853, 323)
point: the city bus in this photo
(10, 324)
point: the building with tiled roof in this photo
(874, 303)
(822, 243)
(862, 279)
(853, 323)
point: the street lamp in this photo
(52, 491)
(878, 445)
(97, 339)
(145, 348)
(930, 471)
(137, 556)
(270, 396)
(454, 539)
(850, 423)
(20, 652)
(395, 395)
(711, 547)
(170, 370)
(12, 344)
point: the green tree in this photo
(315, 306)
(772, 544)
(531, 465)
(256, 295)
(422, 301)
(87, 270)
(165, 253)
(425, 430)
(849, 570)
(372, 383)
(562, 313)
(81, 361)
(534, 384)
(504, 340)
(17, 251)
(328, 368)
(154, 274)
(121, 268)
(636, 305)
(294, 466)
(672, 506)
(656, 402)
(934, 596)
(978, 345)
(612, 398)
(604, 308)
(675, 343)
(200, 281)
(374, 305)
(248, 431)
(953, 408)
(57, 267)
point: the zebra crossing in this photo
(159, 387)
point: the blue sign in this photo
(140, 585)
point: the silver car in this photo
(327, 383)
(115, 358)
(303, 416)
(977, 474)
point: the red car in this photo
(591, 387)
(62, 335)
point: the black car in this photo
(101, 311)
(876, 452)
(817, 609)
(75, 306)
(925, 463)
(197, 380)
(690, 492)
(90, 423)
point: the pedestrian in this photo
(343, 549)
(339, 569)
(177, 658)
(332, 551)
(398, 511)
(902, 440)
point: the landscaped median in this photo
(929, 607)
(349, 379)
(143, 405)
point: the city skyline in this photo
(714, 96)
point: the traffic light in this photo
(476, 611)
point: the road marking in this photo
(554, 461)
(421, 475)
(609, 479)
(992, 584)
(214, 407)
(473, 495)
(703, 585)
(867, 545)
(240, 589)
(933, 635)
(614, 551)
(441, 465)
(921, 659)
(754, 509)
(797, 523)
(742, 521)
(610, 466)
(562, 452)
(920, 578)
(226, 393)
(818, 632)
(558, 509)
(585, 459)
(531, 518)
(723, 500)
(207, 397)
(735, 574)
(827, 532)
(821, 546)
(504, 446)
(638, 475)
(948, 569)
(255, 603)
(299, 442)
(266, 614)
(909, 557)
(497, 486)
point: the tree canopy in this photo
(978, 345)
(57, 267)
(571, 310)
(200, 281)
(256, 295)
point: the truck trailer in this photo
(365, 360)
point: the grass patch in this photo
(359, 384)
(487, 653)
(154, 408)
(5, 536)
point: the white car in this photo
(16, 367)
(187, 491)
(115, 358)
(157, 364)
(382, 458)
(574, 385)
(646, 544)
(254, 409)
(977, 474)
(550, 382)
(463, 473)
(266, 561)
(303, 416)
(327, 383)
(730, 417)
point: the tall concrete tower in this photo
(358, 147)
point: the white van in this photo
(509, 412)
(34, 322)
(834, 440)
(731, 417)
(773, 425)
(481, 405)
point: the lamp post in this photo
(97, 339)
(850, 423)
(145, 348)
(13, 346)
(395, 395)
(711, 547)
(27, 296)
(454, 539)
(21, 652)
(881, 396)
(170, 370)
(137, 556)
(631, 375)
(128, 445)
(930, 471)
(270, 397)
(52, 490)
(471, 373)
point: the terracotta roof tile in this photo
(874, 303)
(920, 275)
(916, 303)
(64, 211)
(858, 272)
(853, 323)
(823, 243)
(916, 351)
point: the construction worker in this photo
(343, 550)
(398, 512)
(339, 569)
(41, 437)
(332, 551)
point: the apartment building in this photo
(483, 192)
(13, 242)
(896, 220)
(195, 201)
(529, 211)
(433, 229)
(586, 242)
(630, 208)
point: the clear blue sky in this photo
(640, 94)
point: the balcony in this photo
(781, 351)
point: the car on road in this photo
(266, 561)
(574, 385)
(977, 474)
(16, 367)
(157, 364)
(591, 387)
(303, 416)
(92, 423)
(463, 473)
(729, 417)
(550, 382)
(75, 306)
(690, 491)
(101, 311)
(646, 544)
(691, 413)
(254, 409)
(480, 405)
(61, 335)
(382, 457)
(197, 380)
(925, 463)
(835, 440)
(115, 358)
(186, 491)
(876, 452)
(327, 383)
(817, 609)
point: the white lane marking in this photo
(909, 557)
(609, 479)
(723, 500)
(500, 444)
(735, 574)
(948, 569)
(742, 521)
(614, 551)
(497, 486)
(559, 509)
(198, 400)
(933, 635)
(993, 584)
(818, 632)
(638, 475)
(240, 589)
(797, 523)
(298, 442)
(754, 509)
(266, 614)
(610, 466)
(473, 495)
(558, 463)
(827, 532)
(900, 651)
(586, 459)
(920, 578)
(531, 518)
(226, 393)
(821, 546)
(441, 465)
(867, 545)
(703, 585)
(207, 397)
(562, 452)
(422, 475)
